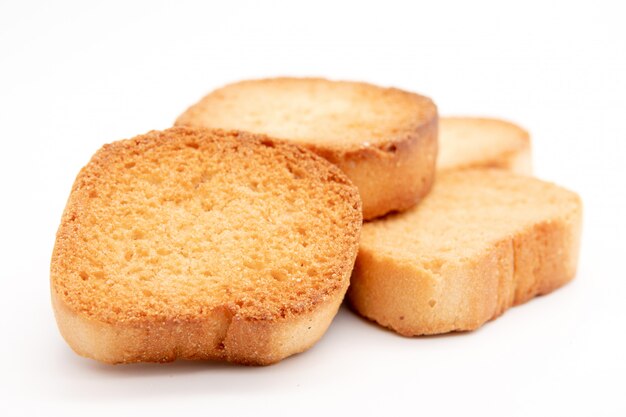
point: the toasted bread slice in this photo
(480, 242)
(200, 244)
(384, 139)
(472, 142)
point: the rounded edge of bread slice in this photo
(480, 142)
(483, 241)
(384, 139)
(128, 310)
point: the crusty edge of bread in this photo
(414, 300)
(393, 175)
(220, 336)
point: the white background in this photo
(74, 76)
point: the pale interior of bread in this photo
(467, 211)
(472, 142)
(312, 111)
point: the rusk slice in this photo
(472, 142)
(200, 244)
(384, 139)
(480, 242)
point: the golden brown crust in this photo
(393, 176)
(439, 290)
(255, 326)
(392, 162)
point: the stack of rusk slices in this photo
(236, 234)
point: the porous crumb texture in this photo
(481, 242)
(187, 225)
(473, 142)
(384, 139)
